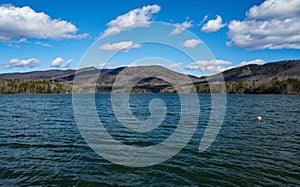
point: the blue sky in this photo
(56, 34)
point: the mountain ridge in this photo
(273, 77)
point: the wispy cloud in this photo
(43, 44)
(139, 17)
(106, 65)
(61, 63)
(22, 40)
(213, 25)
(24, 22)
(101, 65)
(16, 43)
(203, 20)
(120, 46)
(175, 65)
(179, 27)
(23, 63)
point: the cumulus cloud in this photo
(24, 63)
(257, 61)
(271, 9)
(61, 63)
(213, 25)
(120, 46)
(274, 24)
(209, 66)
(135, 18)
(179, 27)
(24, 22)
(191, 43)
(216, 66)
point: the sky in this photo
(196, 36)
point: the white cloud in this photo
(213, 25)
(175, 65)
(132, 65)
(22, 40)
(228, 43)
(102, 65)
(257, 61)
(43, 44)
(191, 43)
(216, 66)
(61, 63)
(26, 63)
(179, 27)
(274, 24)
(135, 18)
(278, 9)
(120, 46)
(24, 22)
(271, 34)
(209, 67)
(16, 43)
(203, 20)
(286, 46)
(106, 65)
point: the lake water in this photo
(40, 143)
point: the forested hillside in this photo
(271, 78)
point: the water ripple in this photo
(41, 145)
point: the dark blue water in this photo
(40, 143)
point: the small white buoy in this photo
(259, 118)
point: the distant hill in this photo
(39, 75)
(275, 77)
(281, 70)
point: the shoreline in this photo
(147, 93)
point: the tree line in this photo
(16, 86)
(273, 86)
